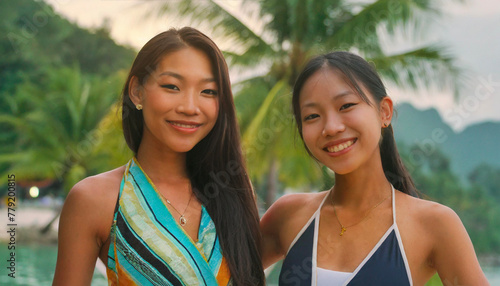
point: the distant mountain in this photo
(476, 144)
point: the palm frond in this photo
(224, 25)
(54, 132)
(263, 130)
(423, 67)
(251, 96)
(362, 29)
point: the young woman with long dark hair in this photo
(182, 211)
(370, 228)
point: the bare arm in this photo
(271, 246)
(453, 255)
(78, 244)
(281, 223)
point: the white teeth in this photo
(339, 147)
(182, 125)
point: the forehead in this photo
(325, 81)
(188, 60)
(332, 82)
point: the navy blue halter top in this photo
(386, 264)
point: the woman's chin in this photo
(341, 170)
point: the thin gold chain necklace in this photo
(182, 219)
(344, 228)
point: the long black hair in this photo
(215, 165)
(357, 71)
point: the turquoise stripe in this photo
(206, 233)
(210, 242)
(111, 251)
(203, 271)
(216, 259)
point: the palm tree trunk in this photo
(272, 182)
(47, 227)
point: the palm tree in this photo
(290, 32)
(62, 126)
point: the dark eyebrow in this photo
(343, 94)
(172, 74)
(336, 97)
(180, 77)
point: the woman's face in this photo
(339, 128)
(180, 101)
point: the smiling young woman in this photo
(369, 228)
(182, 211)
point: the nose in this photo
(188, 103)
(333, 125)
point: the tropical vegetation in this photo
(279, 36)
(60, 85)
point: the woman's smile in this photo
(337, 149)
(185, 126)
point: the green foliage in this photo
(58, 126)
(35, 37)
(487, 177)
(434, 281)
(59, 83)
(474, 203)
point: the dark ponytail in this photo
(357, 72)
(394, 169)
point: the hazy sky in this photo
(470, 31)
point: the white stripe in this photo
(393, 205)
(398, 238)
(402, 249)
(314, 270)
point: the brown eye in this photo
(310, 117)
(170, 86)
(347, 105)
(211, 92)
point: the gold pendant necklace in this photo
(344, 228)
(182, 219)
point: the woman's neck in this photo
(162, 166)
(362, 187)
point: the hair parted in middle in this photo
(358, 72)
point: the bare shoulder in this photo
(99, 184)
(439, 222)
(93, 199)
(430, 213)
(439, 240)
(84, 227)
(452, 253)
(283, 220)
(290, 205)
(289, 214)
(97, 189)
